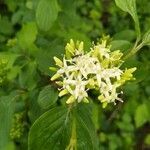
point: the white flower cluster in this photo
(97, 69)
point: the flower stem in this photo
(73, 141)
(134, 50)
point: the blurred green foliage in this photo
(27, 47)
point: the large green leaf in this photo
(6, 114)
(62, 128)
(51, 131)
(46, 13)
(47, 97)
(35, 111)
(83, 135)
(86, 133)
(130, 7)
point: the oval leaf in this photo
(120, 45)
(128, 35)
(62, 128)
(46, 13)
(130, 7)
(49, 130)
(47, 97)
(86, 132)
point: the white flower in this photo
(66, 68)
(97, 69)
(86, 64)
(109, 94)
(102, 49)
(76, 87)
(112, 73)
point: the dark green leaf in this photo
(6, 114)
(35, 110)
(50, 131)
(44, 56)
(47, 97)
(86, 133)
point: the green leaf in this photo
(146, 38)
(6, 114)
(62, 128)
(130, 7)
(35, 110)
(28, 76)
(141, 115)
(47, 97)
(83, 134)
(128, 35)
(122, 45)
(44, 56)
(86, 133)
(27, 35)
(50, 131)
(46, 14)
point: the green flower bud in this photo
(80, 47)
(53, 68)
(127, 75)
(70, 100)
(63, 92)
(58, 62)
(55, 76)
